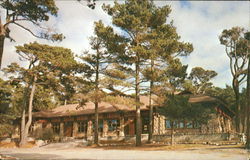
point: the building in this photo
(119, 120)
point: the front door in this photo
(132, 128)
(68, 129)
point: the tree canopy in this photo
(44, 74)
(236, 47)
(33, 11)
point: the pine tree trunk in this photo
(2, 38)
(238, 108)
(28, 124)
(22, 126)
(96, 99)
(23, 117)
(172, 133)
(150, 131)
(137, 99)
(244, 117)
(248, 105)
(96, 124)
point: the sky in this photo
(197, 22)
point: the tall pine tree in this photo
(43, 70)
(104, 72)
(138, 25)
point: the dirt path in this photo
(102, 153)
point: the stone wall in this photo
(197, 138)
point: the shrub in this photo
(6, 130)
(37, 134)
(48, 134)
(45, 134)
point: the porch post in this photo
(121, 133)
(49, 125)
(105, 128)
(75, 128)
(61, 129)
(89, 129)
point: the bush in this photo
(6, 130)
(48, 134)
(45, 134)
(37, 133)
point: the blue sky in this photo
(185, 4)
(198, 22)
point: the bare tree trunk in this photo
(28, 124)
(137, 99)
(248, 105)
(150, 131)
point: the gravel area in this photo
(61, 151)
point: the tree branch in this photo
(242, 78)
(27, 30)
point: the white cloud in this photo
(197, 22)
(201, 24)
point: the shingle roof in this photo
(201, 98)
(220, 104)
(89, 108)
(105, 107)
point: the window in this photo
(56, 127)
(167, 124)
(82, 126)
(197, 125)
(145, 125)
(181, 124)
(113, 124)
(189, 125)
(100, 126)
(176, 124)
